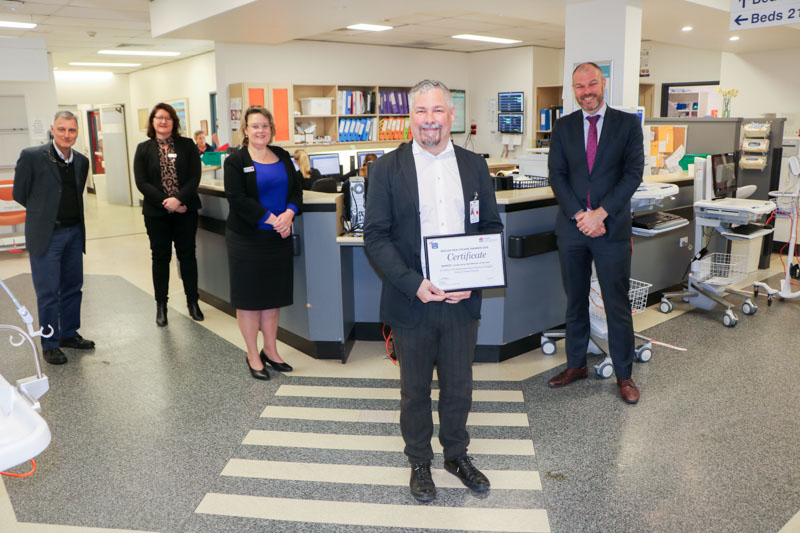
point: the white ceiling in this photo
(76, 29)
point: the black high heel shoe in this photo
(280, 367)
(258, 374)
(195, 312)
(161, 314)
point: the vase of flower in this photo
(727, 96)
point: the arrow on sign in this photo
(739, 19)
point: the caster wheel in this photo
(685, 299)
(749, 308)
(755, 290)
(665, 306)
(604, 370)
(729, 319)
(548, 347)
(644, 353)
(769, 300)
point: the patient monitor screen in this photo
(723, 167)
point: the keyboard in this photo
(656, 220)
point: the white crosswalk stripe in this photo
(385, 416)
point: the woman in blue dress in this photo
(265, 196)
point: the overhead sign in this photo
(750, 14)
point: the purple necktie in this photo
(591, 150)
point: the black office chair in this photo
(324, 185)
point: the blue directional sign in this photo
(750, 14)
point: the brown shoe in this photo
(628, 390)
(568, 376)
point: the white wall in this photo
(768, 82)
(490, 73)
(40, 106)
(114, 90)
(316, 63)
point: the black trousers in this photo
(612, 260)
(445, 339)
(178, 228)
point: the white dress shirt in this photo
(67, 160)
(602, 113)
(441, 198)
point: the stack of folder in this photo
(355, 103)
(356, 129)
(394, 128)
(393, 103)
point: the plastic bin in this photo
(316, 106)
(688, 159)
(212, 159)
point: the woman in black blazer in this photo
(265, 194)
(167, 172)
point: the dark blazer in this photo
(147, 171)
(392, 232)
(37, 186)
(616, 173)
(241, 188)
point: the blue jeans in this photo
(58, 279)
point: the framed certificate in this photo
(466, 262)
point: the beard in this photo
(430, 134)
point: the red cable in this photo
(26, 474)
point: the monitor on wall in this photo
(460, 103)
(510, 123)
(511, 102)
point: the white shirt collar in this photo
(61, 155)
(419, 150)
(601, 112)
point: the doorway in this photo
(95, 141)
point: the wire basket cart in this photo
(637, 294)
(711, 277)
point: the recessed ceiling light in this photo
(687, 28)
(89, 64)
(137, 53)
(82, 75)
(734, 38)
(19, 25)
(483, 38)
(369, 27)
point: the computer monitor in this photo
(459, 124)
(363, 154)
(724, 169)
(510, 122)
(327, 164)
(511, 102)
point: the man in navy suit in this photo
(596, 163)
(421, 189)
(49, 181)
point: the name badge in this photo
(172, 156)
(249, 169)
(474, 213)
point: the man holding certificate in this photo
(431, 188)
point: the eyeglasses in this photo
(258, 127)
(163, 118)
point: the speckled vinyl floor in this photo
(162, 429)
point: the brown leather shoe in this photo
(568, 376)
(628, 390)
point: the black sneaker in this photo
(54, 356)
(422, 487)
(470, 476)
